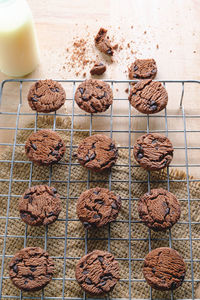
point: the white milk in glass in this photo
(18, 42)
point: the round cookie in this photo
(46, 96)
(159, 209)
(40, 205)
(143, 69)
(94, 96)
(45, 147)
(153, 151)
(97, 272)
(97, 207)
(31, 269)
(164, 269)
(148, 97)
(97, 153)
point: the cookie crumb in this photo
(157, 46)
(126, 90)
(84, 74)
(102, 42)
(98, 69)
(145, 32)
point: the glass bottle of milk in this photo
(18, 42)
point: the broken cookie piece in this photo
(102, 42)
(98, 69)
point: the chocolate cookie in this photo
(159, 209)
(98, 69)
(102, 42)
(97, 153)
(148, 97)
(31, 269)
(143, 69)
(40, 205)
(97, 272)
(164, 269)
(46, 96)
(97, 207)
(153, 151)
(45, 147)
(94, 96)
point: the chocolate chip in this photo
(153, 105)
(50, 214)
(34, 99)
(33, 269)
(85, 98)
(53, 153)
(25, 282)
(154, 141)
(96, 216)
(30, 200)
(85, 272)
(109, 51)
(26, 196)
(102, 283)
(135, 68)
(167, 211)
(15, 268)
(99, 87)
(92, 156)
(54, 190)
(81, 90)
(23, 215)
(100, 258)
(88, 281)
(58, 146)
(114, 206)
(140, 155)
(87, 158)
(100, 97)
(99, 201)
(153, 71)
(54, 90)
(96, 192)
(34, 147)
(112, 146)
(86, 224)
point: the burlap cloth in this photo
(74, 229)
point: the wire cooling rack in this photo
(175, 122)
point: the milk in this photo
(18, 43)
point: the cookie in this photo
(45, 147)
(40, 205)
(143, 69)
(98, 69)
(97, 272)
(153, 151)
(46, 96)
(97, 207)
(31, 269)
(97, 153)
(159, 209)
(164, 269)
(148, 97)
(102, 42)
(94, 96)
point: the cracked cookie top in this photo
(94, 96)
(153, 151)
(97, 153)
(31, 269)
(159, 209)
(46, 96)
(164, 269)
(148, 97)
(98, 207)
(97, 272)
(45, 147)
(40, 205)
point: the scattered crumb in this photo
(77, 73)
(117, 90)
(157, 46)
(84, 74)
(170, 51)
(115, 47)
(194, 51)
(131, 26)
(126, 90)
(145, 32)
(128, 45)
